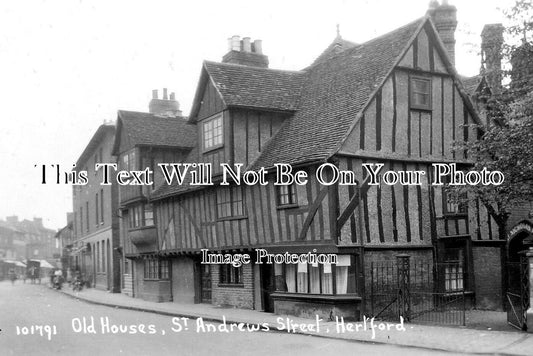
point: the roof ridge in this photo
(419, 20)
(255, 68)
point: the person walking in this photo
(12, 276)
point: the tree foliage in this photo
(506, 144)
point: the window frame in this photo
(206, 122)
(454, 270)
(412, 91)
(303, 279)
(156, 269)
(230, 276)
(102, 206)
(460, 210)
(231, 203)
(292, 195)
(96, 210)
(137, 216)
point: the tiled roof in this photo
(334, 93)
(148, 129)
(328, 97)
(255, 87)
(471, 83)
(338, 45)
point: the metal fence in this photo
(419, 291)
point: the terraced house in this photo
(396, 100)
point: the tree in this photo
(507, 142)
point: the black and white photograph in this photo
(345, 177)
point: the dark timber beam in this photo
(354, 202)
(312, 212)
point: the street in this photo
(66, 326)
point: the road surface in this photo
(66, 326)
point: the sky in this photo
(68, 66)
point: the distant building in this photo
(22, 240)
(95, 223)
(65, 241)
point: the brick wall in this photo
(487, 272)
(239, 297)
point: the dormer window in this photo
(212, 132)
(420, 95)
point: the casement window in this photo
(87, 215)
(95, 162)
(230, 201)
(453, 269)
(156, 269)
(308, 278)
(81, 220)
(212, 132)
(141, 215)
(420, 94)
(454, 203)
(230, 274)
(128, 161)
(96, 207)
(286, 194)
(102, 206)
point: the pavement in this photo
(451, 339)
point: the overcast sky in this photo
(66, 66)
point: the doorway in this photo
(205, 283)
(267, 287)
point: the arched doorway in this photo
(519, 241)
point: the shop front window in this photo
(318, 278)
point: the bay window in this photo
(141, 215)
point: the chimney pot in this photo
(230, 43)
(246, 44)
(258, 46)
(172, 96)
(236, 43)
(165, 96)
(154, 94)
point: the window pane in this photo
(212, 131)
(314, 277)
(327, 279)
(290, 278)
(345, 274)
(302, 278)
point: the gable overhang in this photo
(432, 32)
(439, 46)
(205, 78)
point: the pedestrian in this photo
(12, 275)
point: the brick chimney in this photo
(245, 52)
(491, 55)
(168, 107)
(444, 17)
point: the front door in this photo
(267, 287)
(205, 283)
